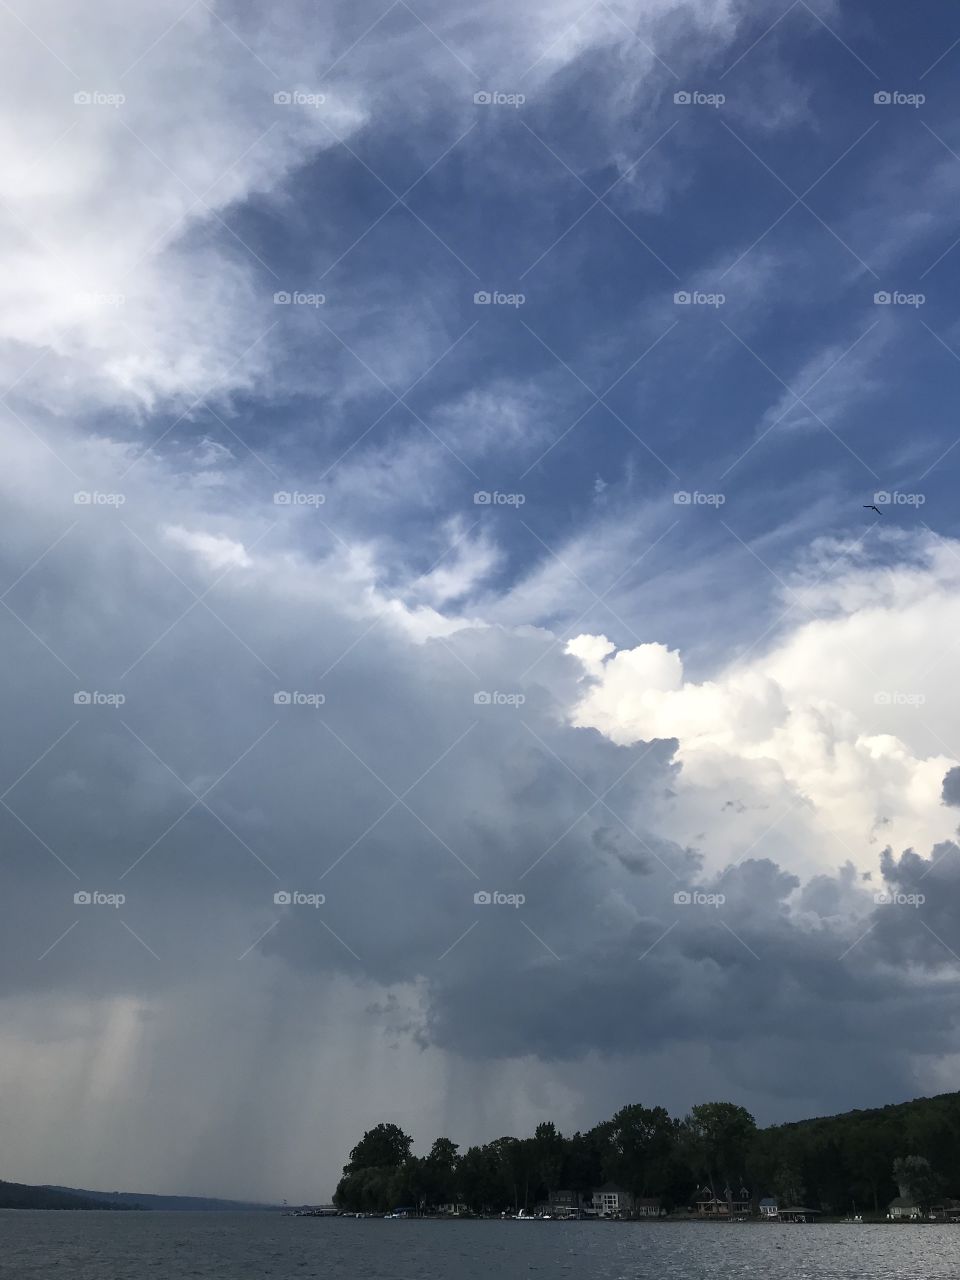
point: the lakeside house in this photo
(710, 1205)
(647, 1207)
(769, 1209)
(903, 1209)
(611, 1201)
(566, 1204)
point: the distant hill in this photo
(836, 1157)
(17, 1195)
(144, 1200)
(938, 1106)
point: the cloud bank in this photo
(384, 731)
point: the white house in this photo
(611, 1201)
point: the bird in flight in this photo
(870, 507)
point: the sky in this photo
(479, 571)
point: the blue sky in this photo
(388, 690)
(703, 397)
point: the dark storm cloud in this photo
(951, 786)
(777, 997)
(420, 781)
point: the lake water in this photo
(251, 1246)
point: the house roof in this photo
(903, 1202)
(768, 1202)
(611, 1187)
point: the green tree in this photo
(380, 1173)
(548, 1150)
(831, 1163)
(718, 1139)
(917, 1180)
(641, 1142)
(439, 1172)
(384, 1147)
(480, 1180)
(513, 1160)
(870, 1149)
(583, 1167)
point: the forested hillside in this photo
(837, 1164)
(17, 1195)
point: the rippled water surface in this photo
(244, 1246)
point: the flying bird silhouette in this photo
(870, 507)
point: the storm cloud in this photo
(281, 739)
(415, 705)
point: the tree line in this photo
(855, 1162)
